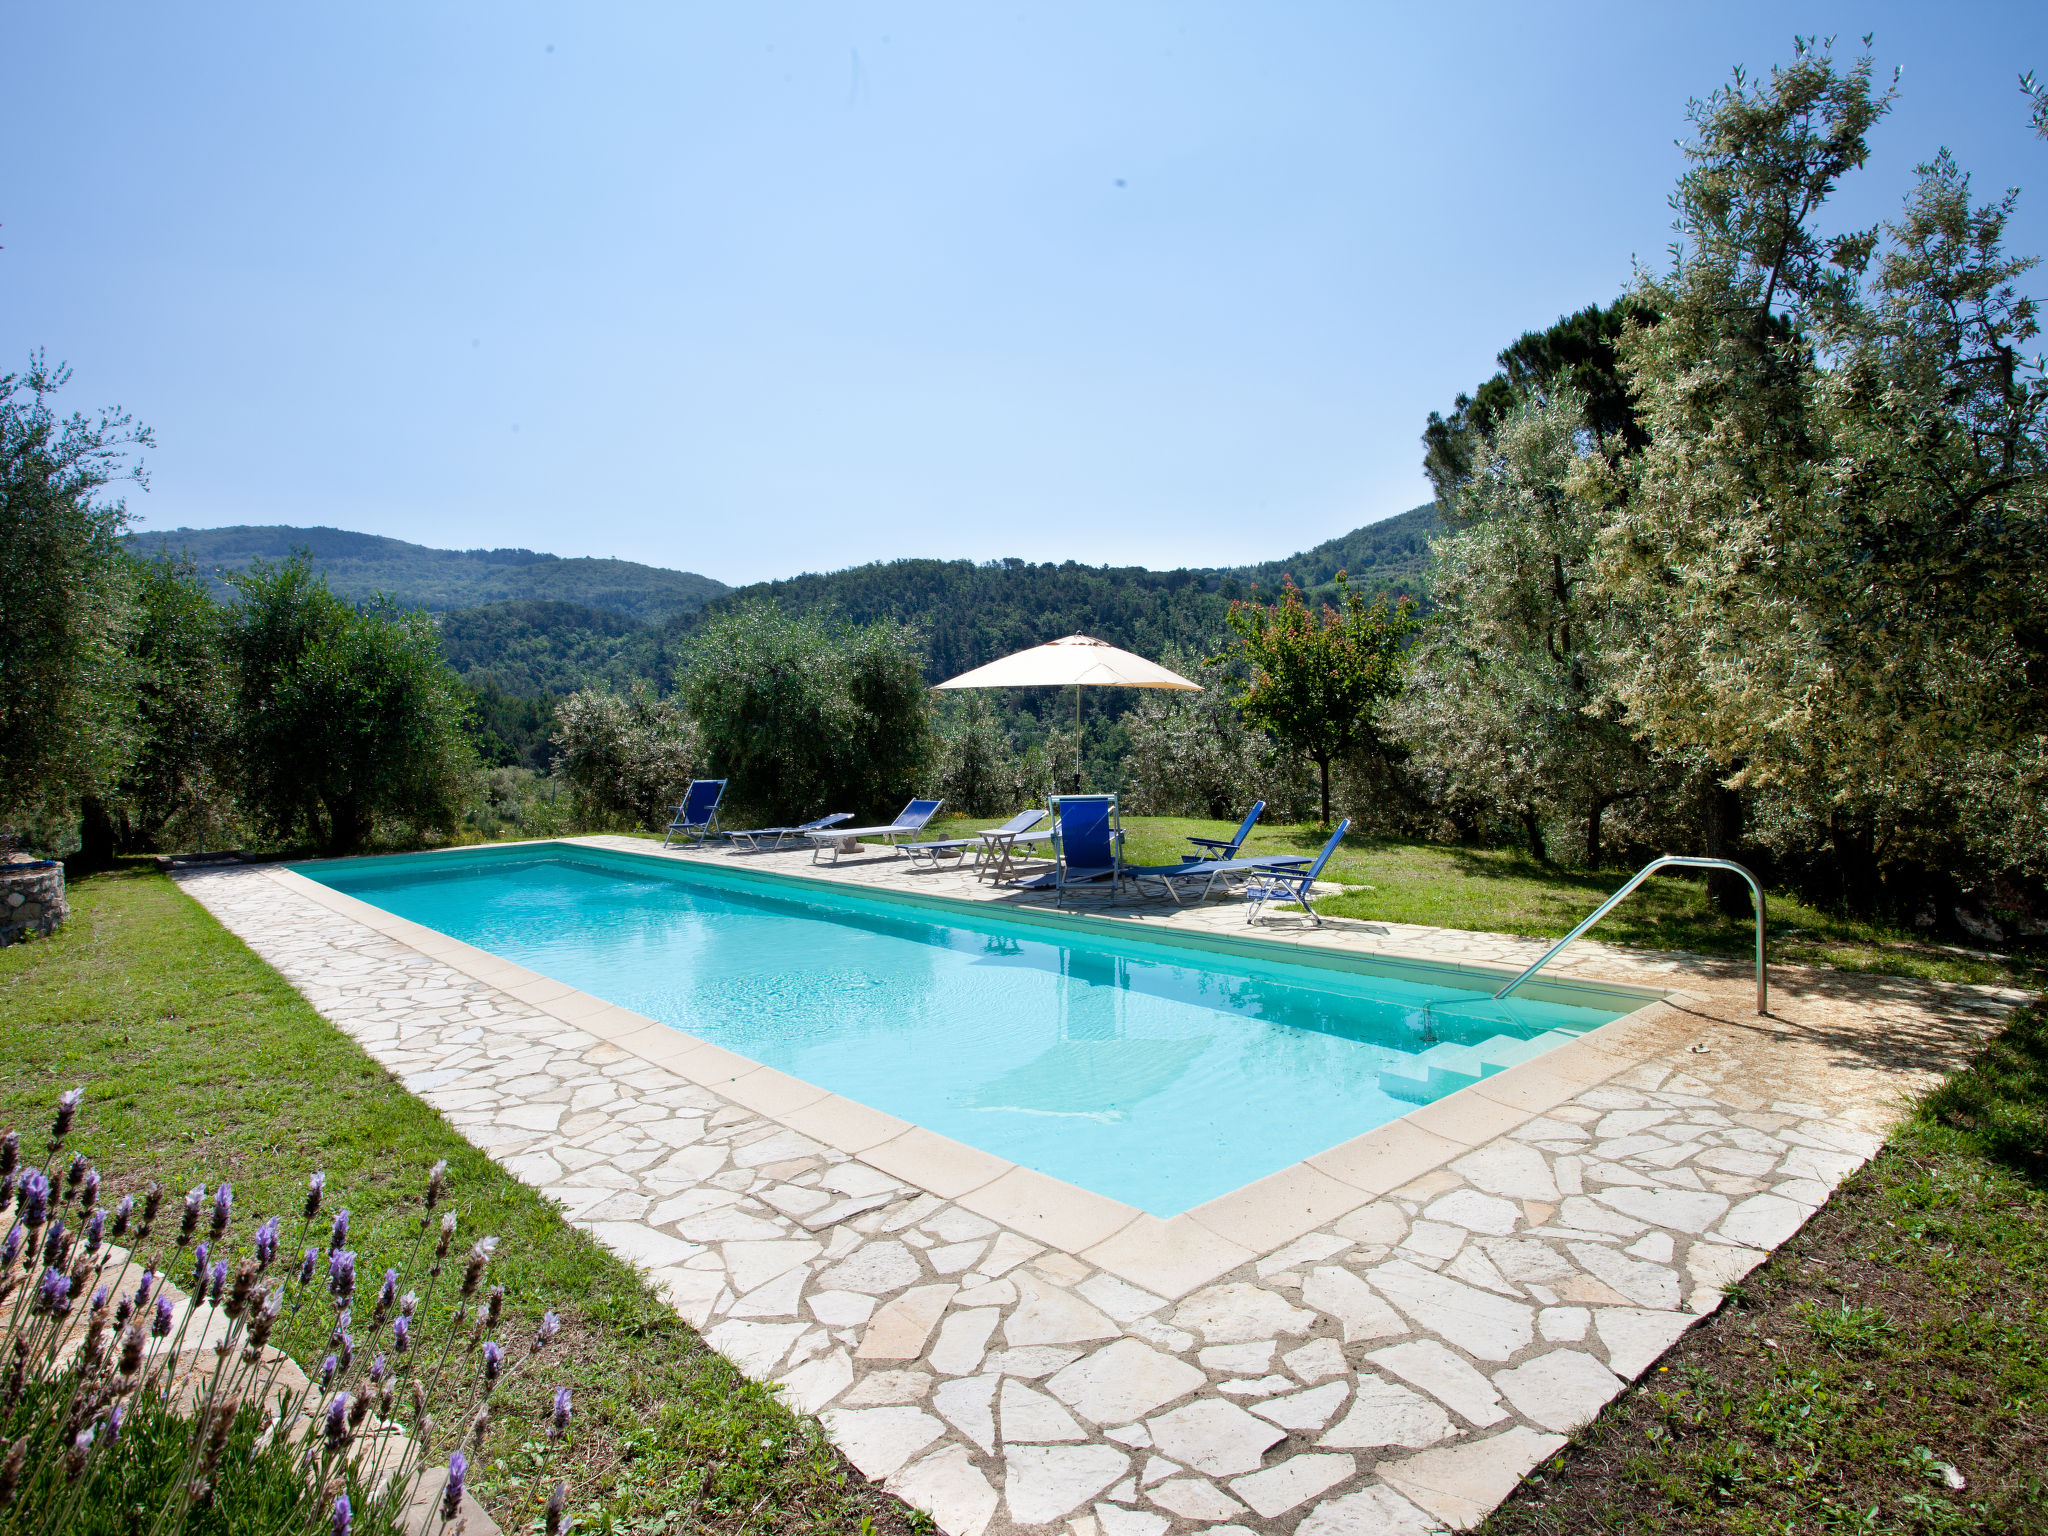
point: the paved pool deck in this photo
(1382, 1339)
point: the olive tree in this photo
(344, 715)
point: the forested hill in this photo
(358, 565)
(973, 613)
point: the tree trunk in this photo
(1323, 767)
(1728, 892)
(1856, 862)
(348, 825)
(1593, 831)
(1532, 826)
(96, 835)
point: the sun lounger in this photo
(697, 817)
(1292, 885)
(752, 837)
(1216, 848)
(1209, 873)
(983, 843)
(1088, 849)
(910, 821)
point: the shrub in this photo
(150, 1409)
(624, 757)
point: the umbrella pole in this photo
(1077, 738)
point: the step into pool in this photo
(1158, 1073)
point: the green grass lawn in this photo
(1496, 891)
(200, 1064)
(1885, 1371)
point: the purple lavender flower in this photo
(142, 1289)
(437, 1179)
(401, 1335)
(494, 1362)
(266, 1242)
(114, 1422)
(7, 1181)
(348, 1351)
(341, 1515)
(164, 1314)
(559, 1422)
(199, 1268)
(451, 1494)
(95, 1231)
(10, 1152)
(216, 1280)
(35, 1199)
(336, 1428)
(341, 1273)
(408, 1303)
(99, 1298)
(316, 1186)
(327, 1369)
(75, 1175)
(54, 1294)
(53, 1240)
(550, 1325)
(387, 1294)
(340, 1233)
(378, 1371)
(67, 1109)
(89, 1195)
(223, 1205)
(10, 1250)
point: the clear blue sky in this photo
(759, 289)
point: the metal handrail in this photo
(1669, 861)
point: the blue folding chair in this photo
(697, 817)
(1087, 845)
(1292, 884)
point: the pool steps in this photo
(1442, 1069)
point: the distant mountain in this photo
(1391, 553)
(357, 565)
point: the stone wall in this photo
(31, 898)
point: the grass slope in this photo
(200, 1063)
(1886, 1371)
(359, 565)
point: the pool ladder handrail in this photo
(1668, 861)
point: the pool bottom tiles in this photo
(1152, 1073)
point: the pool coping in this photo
(1169, 1255)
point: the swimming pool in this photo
(1155, 1072)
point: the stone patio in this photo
(1382, 1339)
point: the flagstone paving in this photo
(1378, 1343)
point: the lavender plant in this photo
(144, 1396)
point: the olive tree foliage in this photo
(345, 716)
(626, 758)
(64, 705)
(979, 771)
(1507, 710)
(1829, 549)
(1194, 754)
(177, 787)
(807, 716)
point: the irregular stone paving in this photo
(1397, 1369)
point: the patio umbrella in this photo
(1078, 661)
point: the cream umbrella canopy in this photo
(1078, 661)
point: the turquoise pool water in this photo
(1156, 1074)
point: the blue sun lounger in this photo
(1292, 884)
(752, 837)
(1216, 848)
(1208, 873)
(837, 840)
(697, 817)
